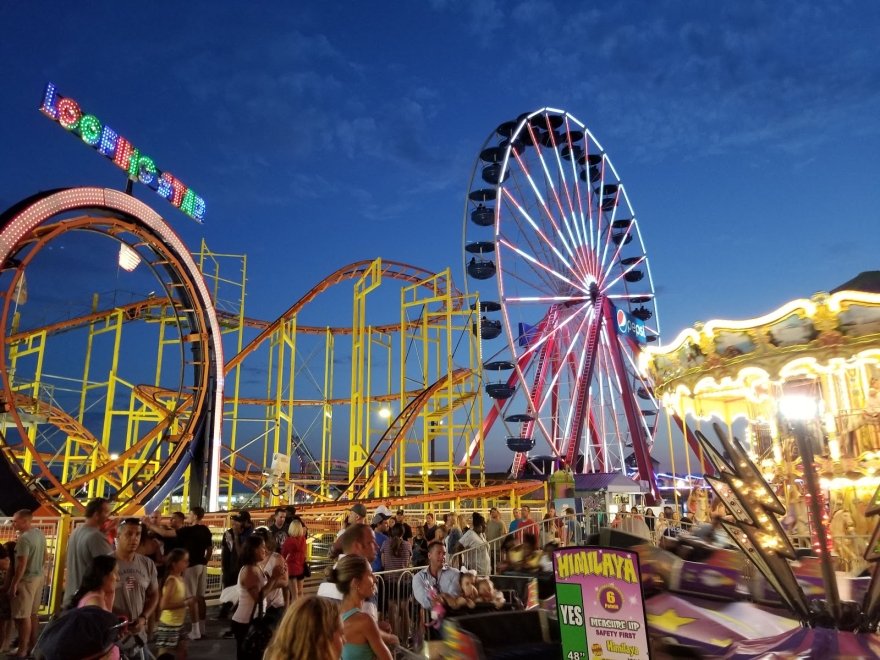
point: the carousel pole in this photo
(798, 410)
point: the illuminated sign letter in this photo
(146, 171)
(171, 189)
(108, 142)
(69, 113)
(198, 213)
(124, 152)
(90, 129)
(164, 188)
(50, 102)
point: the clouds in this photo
(687, 75)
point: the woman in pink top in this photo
(99, 587)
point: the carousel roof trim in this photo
(827, 331)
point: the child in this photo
(468, 590)
(173, 606)
(486, 593)
(468, 596)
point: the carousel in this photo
(824, 350)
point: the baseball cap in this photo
(379, 518)
(359, 509)
(242, 516)
(400, 512)
(80, 633)
(384, 509)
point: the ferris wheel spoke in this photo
(522, 191)
(609, 232)
(567, 340)
(540, 253)
(543, 205)
(591, 196)
(528, 257)
(585, 251)
(527, 228)
(614, 414)
(614, 259)
(575, 254)
(608, 285)
(547, 299)
(547, 290)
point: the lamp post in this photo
(798, 410)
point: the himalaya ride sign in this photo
(629, 325)
(600, 604)
(121, 151)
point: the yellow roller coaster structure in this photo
(117, 399)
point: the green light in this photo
(90, 129)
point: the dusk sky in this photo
(747, 133)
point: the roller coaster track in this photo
(158, 399)
(384, 448)
(68, 425)
(390, 269)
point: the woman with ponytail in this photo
(396, 553)
(354, 579)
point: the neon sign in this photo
(123, 153)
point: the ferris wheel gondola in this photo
(569, 268)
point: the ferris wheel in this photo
(553, 246)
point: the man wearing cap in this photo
(380, 529)
(26, 587)
(357, 515)
(86, 542)
(137, 592)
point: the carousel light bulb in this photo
(834, 449)
(798, 407)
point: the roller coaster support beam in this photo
(359, 442)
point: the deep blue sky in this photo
(747, 133)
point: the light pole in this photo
(798, 411)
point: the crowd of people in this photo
(148, 577)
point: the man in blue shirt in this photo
(380, 527)
(514, 521)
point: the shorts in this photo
(27, 602)
(196, 580)
(167, 637)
